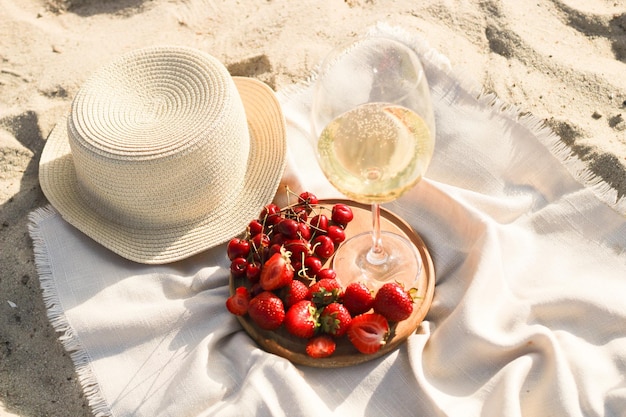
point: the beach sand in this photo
(564, 61)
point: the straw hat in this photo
(164, 155)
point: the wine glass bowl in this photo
(374, 132)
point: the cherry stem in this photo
(376, 255)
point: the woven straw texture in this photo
(164, 155)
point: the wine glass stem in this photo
(376, 254)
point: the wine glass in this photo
(374, 133)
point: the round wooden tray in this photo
(290, 347)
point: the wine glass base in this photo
(403, 263)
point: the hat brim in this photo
(266, 163)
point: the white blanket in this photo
(528, 319)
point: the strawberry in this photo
(358, 298)
(267, 310)
(368, 332)
(320, 346)
(277, 271)
(335, 319)
(294, 292)
(394, 302)
(325, 291)
(238, 302)
(301, 319)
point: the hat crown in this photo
(164, 154)
(159, 138)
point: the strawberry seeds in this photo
(281, 261)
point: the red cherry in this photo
(238, 267)
(237, 248)
(288, 227)
(319, 222)
(341, 214)
(269, 210)
(256, 289)
(270, 214)
(304, 231)
(299, 248)
(307, 198)
(260, 241)
(323, 246)
(260, 246)
(278, 239)
(255, 227)
(299, 213)
(326, 273)
(274, 248)
(297, 264)
(253, 271)
(336, 234)
(313, 265)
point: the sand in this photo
(564, 61)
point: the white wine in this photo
(376, 152)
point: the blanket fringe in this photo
(57, 318)
(579, 170)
